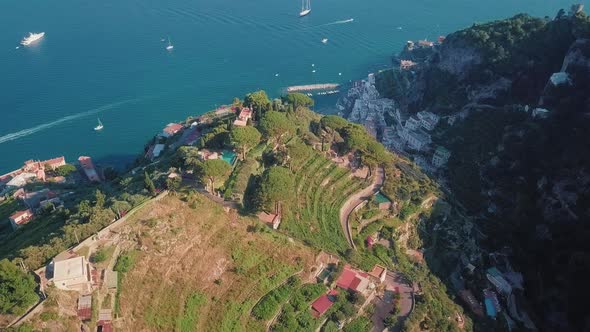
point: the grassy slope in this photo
(314, 214)
(201, 271)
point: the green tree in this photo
(189, 156)
(276, 125)
(17, 289)
(65, 170)
(298, 152)
(213, 169)
(244, 138)
(120, 207)
(299, 100)
(355, 137)
(173, 183)
(257, 100)
(276, 187)
(149, 184)
(334, 122)
(99, 198)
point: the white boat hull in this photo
(305, 12)
(32, 38)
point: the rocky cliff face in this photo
(521, 159)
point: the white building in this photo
(560, 78)
(158, 148)
(417, 140)
(72, 274)
(21, 180)
(441, 157)
(428, 120)
(412, 124)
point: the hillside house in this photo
(88, 168)
(20, 218)
(379, 272)
(157, 151)
(72, 274)
(208, 155)
(323, 303)
(171, 130)
(85, 307)
(441, 157)
(495, 277)
(245, 115)
(21, 180)
(355, 280)
(406, 64)
(417, 140)
(412, 124)
(428, 120)
(273, 220)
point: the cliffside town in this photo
(497, 112)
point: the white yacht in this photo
(305, 7)
(325, 40)
(170, 46)
(33, 37)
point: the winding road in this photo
(356, 199)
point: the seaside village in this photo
(411, 135)
(41, 187)
(33, 188)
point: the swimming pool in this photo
(229, 156)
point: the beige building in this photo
(72, 274)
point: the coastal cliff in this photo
(508, 101)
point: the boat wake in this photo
(340, 22)
(32, 130)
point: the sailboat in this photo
(170, 46)
(99, 127)
(305, 7)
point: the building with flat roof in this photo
(85, 307)
(88, 168)
(440, 157)
(245, 115)
(72, 274)
(379, 272)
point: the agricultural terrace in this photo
(321, 187)
(199, 268)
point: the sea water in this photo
(107, 59)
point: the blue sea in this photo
(106, 59)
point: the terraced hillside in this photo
(200, 268)
(321, 188)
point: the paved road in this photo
(393, 281)
(356, 199)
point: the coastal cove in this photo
(105, 59)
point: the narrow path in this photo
(356, 199)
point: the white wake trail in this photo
(32, 130)
(340, 22)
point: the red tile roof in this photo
(19, 214)
(85, 313)
(351, 278)
(173, 128)
(321, 305)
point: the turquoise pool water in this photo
(229, 156)
(380, 198)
